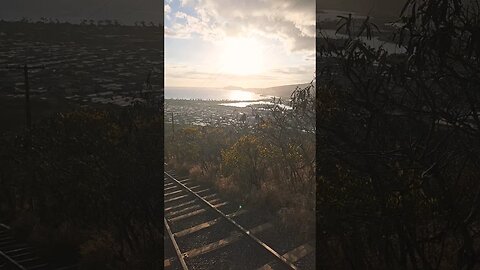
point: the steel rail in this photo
(11, 262)
(239, 227)
(175, 245)
(7, 258)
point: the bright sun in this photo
(241, 56)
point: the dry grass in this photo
(59, 243)
(197, 174)
(23, 225)
(294, 211)
(102, 251)
(226, 186)
(181, 168)
(97, 252)
(299, 220)
(54, 242)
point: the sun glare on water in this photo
(241, 56)
(242, 95)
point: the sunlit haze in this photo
(249, 44)
(242, 56)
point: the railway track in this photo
(15, 255)
(204, 231)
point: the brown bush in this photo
(273, 196)
(58, 243)
(196, 173)
(181, 168)
(298, 219)
(23, 225)
(226, 185)
(98, 252)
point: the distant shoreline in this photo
(283, 91)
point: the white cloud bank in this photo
(291, 22)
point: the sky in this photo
(242, 43)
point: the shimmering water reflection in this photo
(212, 94)
(262, 104)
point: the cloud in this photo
(183, 74)
(186, 2)
(185, 26)
(181, 15)
(292, 22)
(298, 70)
(167, 9)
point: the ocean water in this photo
(244, 104)
(211, 94)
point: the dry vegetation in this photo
(270, 167)
(398, 152)
(87, 190)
